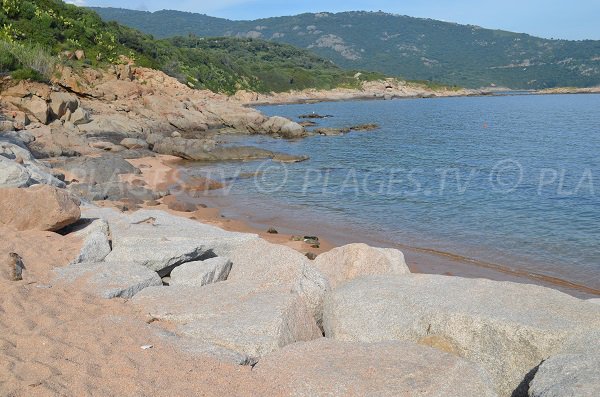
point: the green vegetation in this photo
(413, 48)
(35, 35)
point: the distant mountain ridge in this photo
(412, 48)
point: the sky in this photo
(574, 19)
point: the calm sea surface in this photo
(511, 180)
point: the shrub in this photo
(27, 56)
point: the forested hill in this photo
(37, 35)
(413, 48)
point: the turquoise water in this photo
(508, 180)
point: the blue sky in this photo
(575, 19)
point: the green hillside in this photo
(413, 48)
(35, 35)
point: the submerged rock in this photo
(332, 131)
(506, 327)
(325, 367)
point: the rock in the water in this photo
(96, 245)
(235, 316)
(201, 273)
(39, 207)
(284, 127)
(277, 267)
(109, 280)
(13, 175)
(506, 327)
(356, 260)
(325, 367)
(364, 127)
(332, 131)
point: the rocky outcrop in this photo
(280, 268)
(325, 367)
(507, 328)
(108, 280)
(40, 207)
(283, 127)
(206, 150)
(201, 273)
(356, 260)
(232, 315)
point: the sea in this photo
(512, 180)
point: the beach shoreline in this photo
(169, 171)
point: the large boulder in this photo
(277, 267)
(160, 225)
(284, 127)
(356, 260)
(108, 280)
(61, 102)
(508, 328)
(235, 316)
(201, 273)
(325, 367)
(37, 107)
(40, 207)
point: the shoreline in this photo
(419, 259)
(252, 100)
